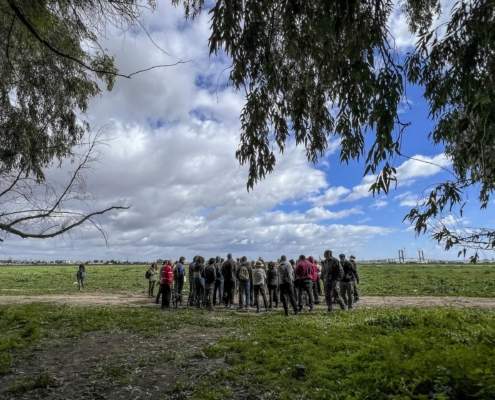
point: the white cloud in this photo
(419, 166)
(330, 196)
(379, 204)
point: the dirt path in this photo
(139, 300)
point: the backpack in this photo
(147, 275)
(258, 275)
(243, 273)
(180, 271)
(210, 274)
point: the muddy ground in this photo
(112, 366)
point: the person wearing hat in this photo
(259, 281)
(347, 283)
(352, 260)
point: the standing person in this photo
(356, 281)
(286, 276)
(259, 281)
(81, 276)
(179, 276)
(151, 275)
(347, 282)
(219, 282)
(198, 283)
(228, 273)
(190, 274)
(273, 283)
(314, 279)
(166, 283)
(303, 276)
(332, 273)
(243, 277)
(251, 284)
(210, 276)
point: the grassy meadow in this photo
(112, 352)
(144, 353)
(376, 280)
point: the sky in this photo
(170, 137)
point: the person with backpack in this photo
(259, 282)
(352, 260)
(331, 274)
(166, 283)
(303, 275)
(152, 275)
(273, 284)
(229, 273)
(219, 282)
(286, 278)
(244, 274)
(209, 276)
(81, 276)
(179, 276)
(347, 282)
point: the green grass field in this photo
(364, 354)
(376, 280)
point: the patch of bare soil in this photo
(86, 299)
(426, 301)
(112, 366)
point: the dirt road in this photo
(139, 300)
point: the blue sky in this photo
(171, 136)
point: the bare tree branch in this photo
(23, 19)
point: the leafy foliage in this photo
(51, 65)
(313, 70)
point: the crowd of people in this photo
(295, 284)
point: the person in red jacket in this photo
(303, 273)
(166, 283)
(314, 279)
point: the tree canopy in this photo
(51, 65)
(315, 70)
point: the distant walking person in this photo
(166, 283)
(347, 283)
(151, 275)
(286, 277)
(81, 276)
(352, 260)
(332, 274)
(228, 273)
(179, 275)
